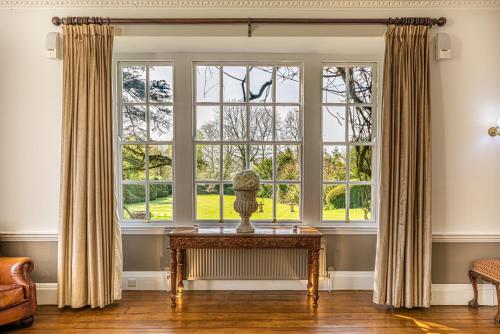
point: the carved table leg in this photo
(497, 316)
(473, 280)
(173, 276)
(180, 273)
(309, 271)
(315, 277)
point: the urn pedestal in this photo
(245, 204)
(246, 184)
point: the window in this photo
(348, 119)
(145, 142)
(248, 116)
(289, 117)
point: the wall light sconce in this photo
(495, 130)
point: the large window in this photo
(348, 124)
(248, 116)
(306, 125)
(145, 143)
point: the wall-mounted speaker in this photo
(52, 46)
(443, 46)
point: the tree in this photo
(134, 124)
(358, 90)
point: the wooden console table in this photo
(279, 237)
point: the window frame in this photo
(373, 183)
(311, 192)
(274, 143)
(120, 142)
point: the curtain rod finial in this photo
(441, 21)
(56, 21)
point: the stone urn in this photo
(246, 184)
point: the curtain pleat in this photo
(404, 240)
(90, 253)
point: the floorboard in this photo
(262, 312)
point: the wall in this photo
(465, 103)
(148, 252)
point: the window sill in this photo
(325, 228)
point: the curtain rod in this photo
(248, 21)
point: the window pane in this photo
(207, 162)
(160, 84)
(288, 202)
(208, 123)
(207, 202)
(161, 123)
(228, 200)
(334, 88)
(265, 203)
(160, 162)
(235, 83)
(234, 157)
(134, 201)
(261, 123)
(134, 123)
(334, 124)
(134, 84)
(360, 124)
(361, 163)
(160, 201)
(360, 202)
(360, 84)
(287, 123)
(334, 202)
(134, 162)
(261, 83)
(288, 84)
(234, 122)
(261, 160)
(207, 83)
(288, 162)
(334, 163)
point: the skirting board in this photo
(460, 294)
(442, 294)
(46, 293)
(336, 280)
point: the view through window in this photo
(248, 116)
(145, 106)
(348, 105)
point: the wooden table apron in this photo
(183, 238)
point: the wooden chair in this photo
(488, 270)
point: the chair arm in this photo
(16, 270)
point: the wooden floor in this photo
(258, 312)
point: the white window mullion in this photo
(148, 137)
(221, 146)
(348, 147)
(274, 147)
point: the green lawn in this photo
(339, 214)
(207, 207)
(161, 208)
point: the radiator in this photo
(279, 263)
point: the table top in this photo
(259, 232)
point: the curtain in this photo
(404, 240)
(90, 258)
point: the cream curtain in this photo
(90, 253)
(403, 261)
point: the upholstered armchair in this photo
(17, 291)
